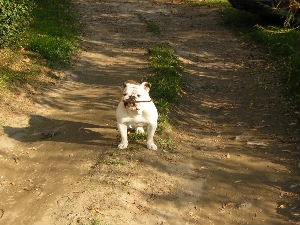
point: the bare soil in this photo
(230, 157)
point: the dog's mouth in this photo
(130, 105)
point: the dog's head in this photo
(135, 93)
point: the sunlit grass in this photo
(53, 36)
(16, 68)
(54, 32)
(166, 80)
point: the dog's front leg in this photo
(150, 142)
(123, 131)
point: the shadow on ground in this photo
(46, 129)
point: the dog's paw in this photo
(140, 130)
(151, 146)
(122, 146)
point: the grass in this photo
(54, 32)
(115, 161)
(16, 68)
(166, 80)
(151, 25)
(53, 35)
(137, 136)
(210, 3)
(281, 43)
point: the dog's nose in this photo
(132, 98)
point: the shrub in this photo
(54, 31)
(15, 18)
(166, 80)
(166, 69)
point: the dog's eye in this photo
(124, 94)
(139, 95)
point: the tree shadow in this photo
(41, 128)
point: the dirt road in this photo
(232, 158)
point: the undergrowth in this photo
(209, 3)
(166, 80)
(151, 25)
(16, 69)
(15, 18)
(32, 31)
(54, 31)
(281, 43)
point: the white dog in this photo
(136, 109)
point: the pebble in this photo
(244, 205)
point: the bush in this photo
(166, 69)
(15, 18)
(54, 31)
(165, 79)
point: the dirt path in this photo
(233, 155)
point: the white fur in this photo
(143, 115)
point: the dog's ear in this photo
(146, 85)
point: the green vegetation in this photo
(115, 161)
(54, 31)
(166, 69)
(16, 69)
(137, 136)
(209, 2)
(15, 18)
(166, 79)
(151, 26)
(31, 30)
(282, 43)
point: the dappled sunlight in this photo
(227, 158)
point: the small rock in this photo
(244, 205)
(227, 156)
